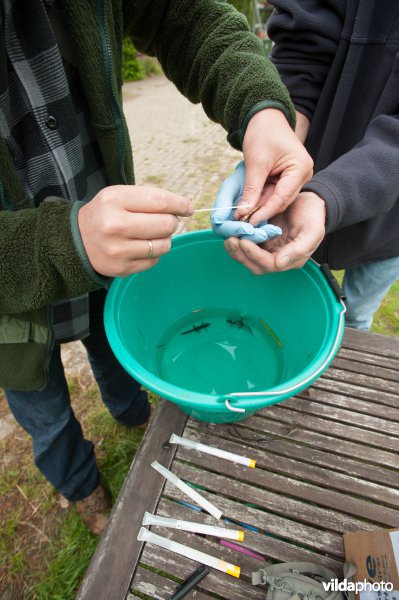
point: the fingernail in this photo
(230, 248)
(283, 262)
(191, 208)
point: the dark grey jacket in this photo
(340, 62)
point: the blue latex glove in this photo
(222, 220)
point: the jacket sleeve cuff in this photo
(333, 209)
(77, 239)
(236, 138)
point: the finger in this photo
(233, 247)
(130, 266)
(256, 175)
(142, 226)
(296, 253)
(152, 248)
(139, 265)
(285, 191)
(263, 234)
(233, 229)
(257, 257)
(137, 198)
(229, 194)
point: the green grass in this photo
(154, 180)
(15, 562)
(72, 551)
(387, 318)
(45, 550)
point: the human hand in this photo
(117, 224)
(277, 165)
(222, 219)
(303, 227)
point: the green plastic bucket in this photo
(202, 331)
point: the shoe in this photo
(95, 509)
(144, 426)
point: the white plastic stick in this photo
(221, 532)
(186, 489)
(205, 559)
(220, 208)
(242, 460)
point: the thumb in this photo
(255, 179)
(293, 255)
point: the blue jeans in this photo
(365, 288)
(61, 453)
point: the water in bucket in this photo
(216, 349)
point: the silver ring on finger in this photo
(150, 249)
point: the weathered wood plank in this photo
(376, 343)
(111, 568)
(344, 415)
(358, 406)
(323, 438)
(362, 356)
(357, 362)
(305, 454)
(340, 512)
(269, 522)
(354, 391)
(358, 378)
(340, 430)
(292, 467)
(268, 430)
(272, 548)
(161, 588)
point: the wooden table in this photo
(327, 463)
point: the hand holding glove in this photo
(222, 219)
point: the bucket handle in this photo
(233, 408)
(295, 387)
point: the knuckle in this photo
(113, 252)
(106, 195)
(111, 228)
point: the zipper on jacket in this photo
(115, 104)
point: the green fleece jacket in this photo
(205, 48)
